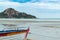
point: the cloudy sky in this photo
(39, 8)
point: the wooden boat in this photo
(14, 32)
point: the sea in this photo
(40, 29)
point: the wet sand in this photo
(39, 31)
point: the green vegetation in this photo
(11, 13)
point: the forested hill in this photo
(12, 13)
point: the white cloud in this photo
(31, 8)
(5, 5)
(34, 8)
(50, 0)
(54, 1)
(3, 0)
(9, 3)
(32, 0)
(43, 5)
(50, 5)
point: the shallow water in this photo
(39, 31)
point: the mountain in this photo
(12, 13)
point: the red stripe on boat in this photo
(4, 34)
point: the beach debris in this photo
(29, 39)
